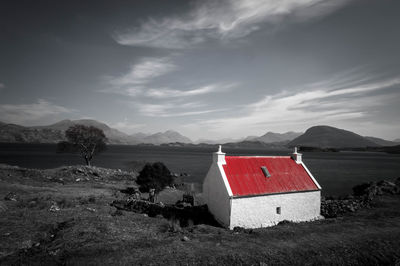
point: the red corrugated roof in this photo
(246, 178)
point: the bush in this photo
(155, 176)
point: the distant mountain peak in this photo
(271, 137)
(330, 137)
(169, 136)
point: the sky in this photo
(208, 69)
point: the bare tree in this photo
(85, 140)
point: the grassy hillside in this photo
(85, 229)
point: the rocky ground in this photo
(362, 197)
(64, 175)
(65, 216)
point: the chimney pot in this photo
(297, 157)
(219, 156)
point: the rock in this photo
(11, 196)
(26, 244)
(180, 204)
(284, 222)
(54, 208)
(90, 209)
(185, 238)
(80, 170)
(238, 229)
(54, 252)
(383, 183)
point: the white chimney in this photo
(219, 156)
(296, 156)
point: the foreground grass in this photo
(88, 231)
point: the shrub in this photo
(155, 176)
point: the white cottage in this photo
(260, 191)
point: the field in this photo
(63, 217)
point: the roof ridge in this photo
(259, 156)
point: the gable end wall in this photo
(216, 195)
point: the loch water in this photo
(337, 172)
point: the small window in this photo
(265, 171)
(278, 210)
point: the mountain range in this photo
(317, 136)
(55, 133)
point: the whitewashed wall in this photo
(255, 212)
(216, 195)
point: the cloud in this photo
(229, 19)
(140, 74)
(153, 101)
(366, 88)
(27, 113)
(169, 93)
(307, 106)
(173, 109)
(126, 126)
(172, 103)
